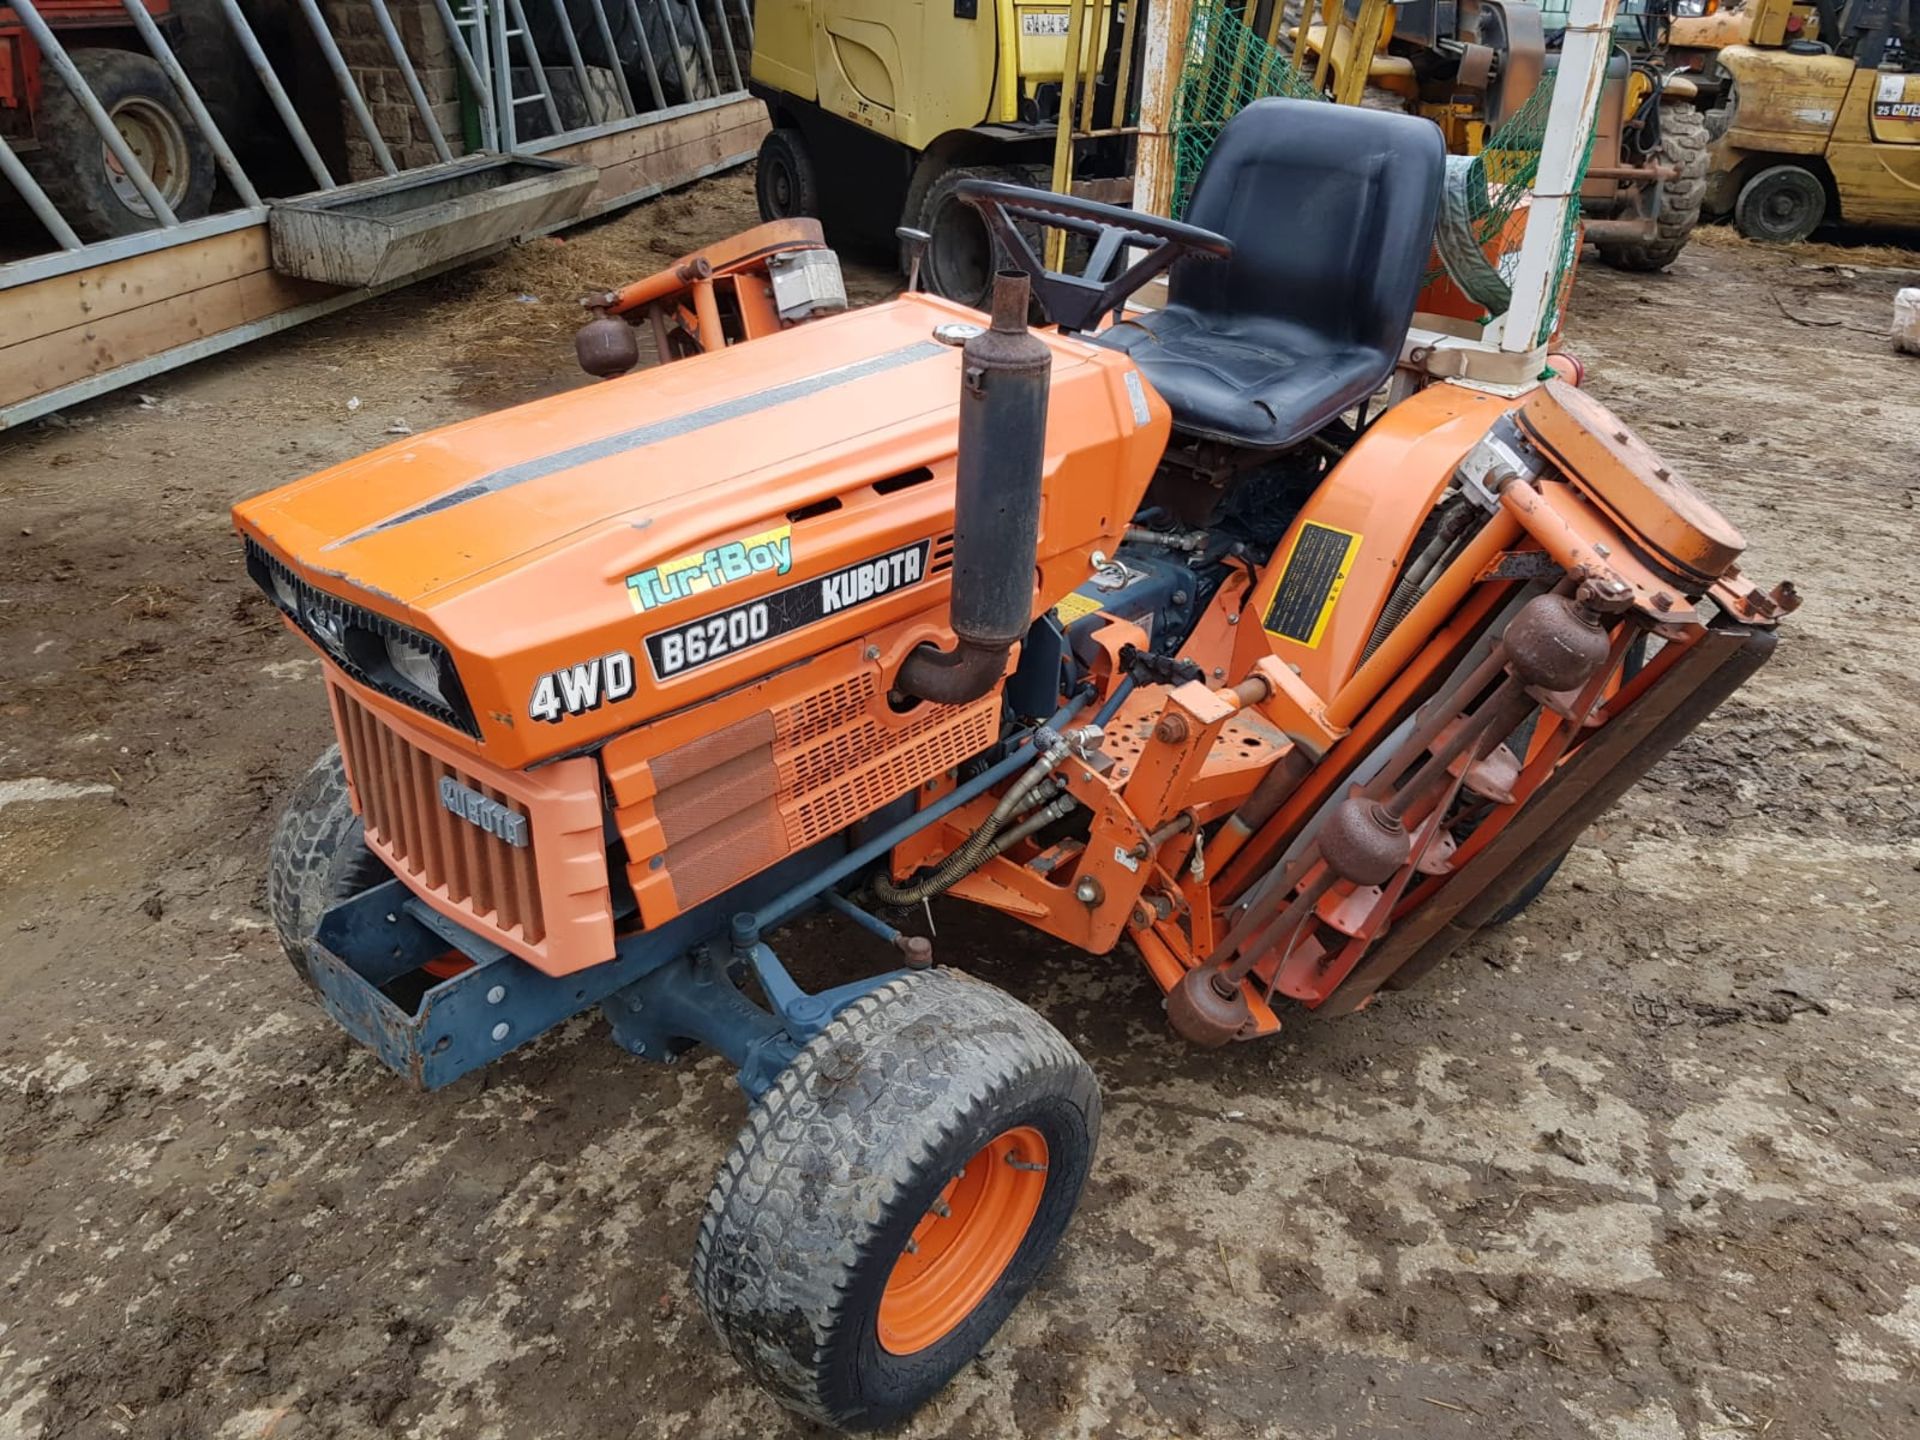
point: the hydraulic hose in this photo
(977, 849)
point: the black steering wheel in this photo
(1078, 302)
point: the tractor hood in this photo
(634, 468)
(559, 533)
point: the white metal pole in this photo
(1570, 115)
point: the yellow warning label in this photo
(1310, 583)
(1074, 606)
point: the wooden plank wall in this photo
(72, 332)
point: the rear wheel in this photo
(1781, 205)
(1529, 892)
(1683, 145)
(318, 858)
(784, 181)
(81, 176)
(893, 1196)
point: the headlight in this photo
(380, 653)
(416, 667)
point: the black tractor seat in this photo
(1331, 212)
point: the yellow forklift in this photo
(1821, 120)
(882, 111)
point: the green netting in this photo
(1229, 66)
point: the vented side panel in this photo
(853, 772)
(705, 814)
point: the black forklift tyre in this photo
(81, 178)
(318, 857)
(962, 254)
(1684, 143)
(937, 1113)
(784, 181)
(1781, 205)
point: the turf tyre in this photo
(846, 1153)
(1684, 143)
(317, 858)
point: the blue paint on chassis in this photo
(664, 990)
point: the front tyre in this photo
(318, 858)
(894, 1195)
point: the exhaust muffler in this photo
(1004, 382)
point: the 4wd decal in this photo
(576, 689)
(769, 552)
(684, 648)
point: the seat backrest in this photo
(1331, 211)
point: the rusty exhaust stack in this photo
(1004, 373)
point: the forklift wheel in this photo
(784, 181)
(317, 859)
(1781, 205)
(85, 183)
(962, 256)
(893, 1195)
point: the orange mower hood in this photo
(573, 528)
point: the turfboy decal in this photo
(769, 552)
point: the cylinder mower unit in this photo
(1145, 629)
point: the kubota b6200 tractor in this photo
(1155, 634)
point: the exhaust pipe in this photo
(1004, 374)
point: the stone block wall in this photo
(357, 32)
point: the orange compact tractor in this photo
(1154, 631)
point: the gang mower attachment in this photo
(1156, 635)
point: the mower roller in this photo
(1152, 630)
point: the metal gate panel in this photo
(166, 258)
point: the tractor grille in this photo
(475, 843)
(724, 805)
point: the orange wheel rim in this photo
(965, 1241)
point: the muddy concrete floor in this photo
(1642, 1166)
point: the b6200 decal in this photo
(687, 647)
(576, 689)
